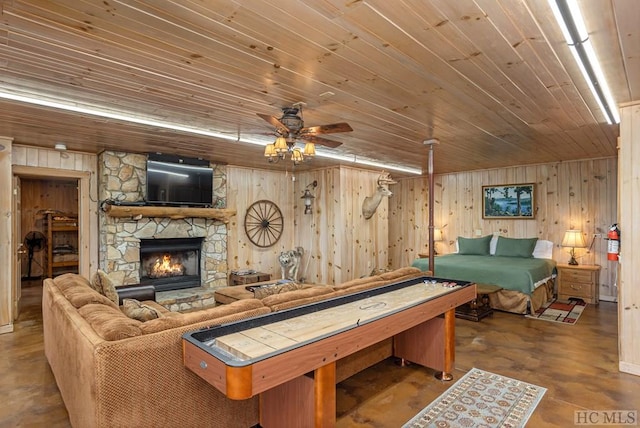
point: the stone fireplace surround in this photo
(122, 177)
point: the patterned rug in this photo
(565, 312)
(481, 399)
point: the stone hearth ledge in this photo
(186, 299)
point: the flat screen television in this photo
(179, 181)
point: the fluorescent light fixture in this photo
(569, 18)
(127, 117)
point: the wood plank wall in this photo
(578, 194)
(244, 187)
(629, 197)
(8, 244)
(339, 243)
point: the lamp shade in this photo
(309, 149)
(281, 145)
(296, 156)
(437, 234)
(574, 239)
(270, 151)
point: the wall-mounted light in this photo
(308, 197)
(62, 148)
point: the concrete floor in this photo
(577, 364)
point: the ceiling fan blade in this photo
(326, 129)
(280, 127)
(321, 141)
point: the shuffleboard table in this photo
(289, 357)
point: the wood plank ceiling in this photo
(492, 79)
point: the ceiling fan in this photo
(290, 127)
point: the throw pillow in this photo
(474, 246)
(109, 323)
(103, 285)
(139, 311)
(515, 247)
(268, 290)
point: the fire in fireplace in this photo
(170, 264)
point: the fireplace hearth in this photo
(170, 263)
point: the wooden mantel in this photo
(175, 213)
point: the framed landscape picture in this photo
(509, 201)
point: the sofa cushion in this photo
(80, 294)
(68, 280)
(353, 282)
(139, 311)
(399, 273)
(296, 295)
(268, 290)
(221, 311)
(103, 285)
(165, 322)
(361, 287)
(109, 322)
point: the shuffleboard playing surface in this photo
(257, 342)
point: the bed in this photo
(522, 267)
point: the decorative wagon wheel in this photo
(263, 223)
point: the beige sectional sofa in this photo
(114, 371)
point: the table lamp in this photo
(573, 238)
(437, 237)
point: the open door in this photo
(20, 250)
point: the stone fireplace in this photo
(122, 178)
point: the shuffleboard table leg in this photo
(449, 346)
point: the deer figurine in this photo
(370, 203)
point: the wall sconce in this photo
(308, 197)
(573, 239)
(62, 148)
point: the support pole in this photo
(431, 143)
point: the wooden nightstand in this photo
(581, 281)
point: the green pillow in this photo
(512, 247)
(474, 246)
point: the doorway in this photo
(43, 193)
(48, 218)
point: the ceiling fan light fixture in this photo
(281, 145)
(270, 151)
(309, 149)
(296, 156)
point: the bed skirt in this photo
(520, 303)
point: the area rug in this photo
(565, 312)
(481, 399)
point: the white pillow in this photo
(493, 244)
(543, 249)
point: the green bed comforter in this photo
(511, 273)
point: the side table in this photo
(250, 278)
(580, 281)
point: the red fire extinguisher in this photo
(613, 247)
